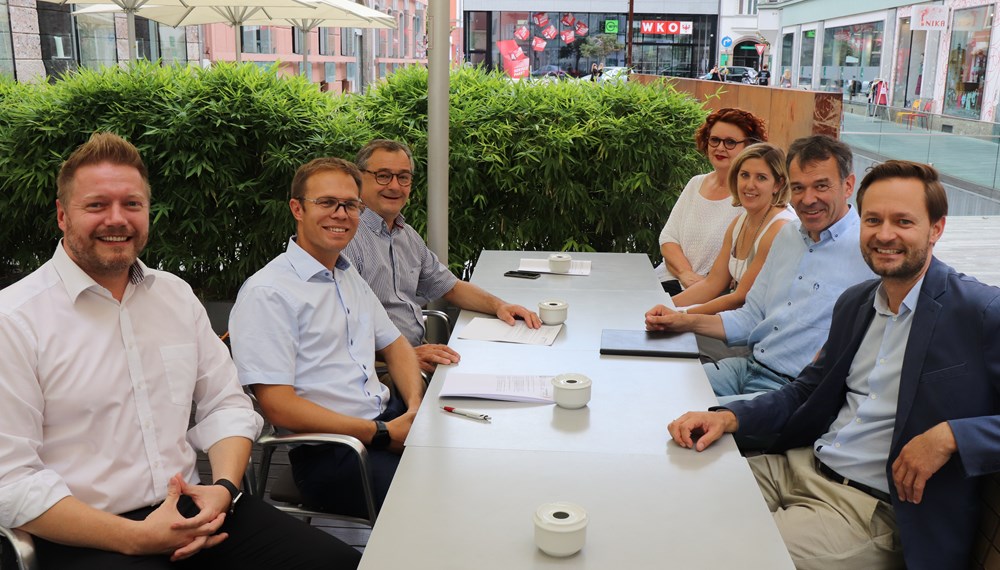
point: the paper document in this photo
(482, 328)
(576, 266)
(510, 388)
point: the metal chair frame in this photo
(22, 549)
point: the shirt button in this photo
(775, 328)
(881, 361)
(789, 303)
(873, 397)
(836, 444)
(810, 250)
(800, 277)
(762, 351)
(858, 420)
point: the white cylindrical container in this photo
(560, 528)
(559, 262)
(553, 312)
(571, 391)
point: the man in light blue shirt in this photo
(305, 330)
(786, 317)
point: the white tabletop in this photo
(590, 312)
(464, 509)
(611, 271)
(633, 399)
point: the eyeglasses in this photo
(351, 207)
(384, 177)
(728, 143)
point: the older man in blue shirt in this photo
(397, 264)
(305, 330)
(786, 316)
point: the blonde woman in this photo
(758, 182)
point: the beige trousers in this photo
(826, 525)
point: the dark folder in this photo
(646, 343)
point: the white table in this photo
(466, 491)
(633, 399)
(465, 509)
(609, 271)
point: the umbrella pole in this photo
(305, 54)
(239, 43)
(438, 63)
(130, 18)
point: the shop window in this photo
(256, 39)
(851, 52)
(967, 57)
(808, 48)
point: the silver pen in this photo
(466, 413)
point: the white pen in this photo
(466, 413)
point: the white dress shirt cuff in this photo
(221, 424)
(27, 499)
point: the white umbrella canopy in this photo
(174, 13)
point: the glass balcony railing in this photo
(966, 153)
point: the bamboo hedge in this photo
(573, 166)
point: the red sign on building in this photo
(665, 27)
(581, 28)
(550, 32)
(541, 19)
(568, 36)
(538, 44)
(568, 20)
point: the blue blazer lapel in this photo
(921, 331)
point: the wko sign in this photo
(665, 27)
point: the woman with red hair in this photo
(697, 224)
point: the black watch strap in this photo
(234, 492)
(381, 439)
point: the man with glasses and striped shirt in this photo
(396, 262)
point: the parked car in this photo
(737, 74)
(679, 70)
(549, 71)
(611, 74)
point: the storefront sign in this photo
(538, 44)
(567, 36)
(581, 28)
(665, 27)
(610, 26)
(521, 33)
(929, 18)
(541, 19)
(568, 20)
(550, 32)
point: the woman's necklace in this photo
(741, 242)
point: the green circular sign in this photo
(610, 26)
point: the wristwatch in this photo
(381, 439)
(234, 492)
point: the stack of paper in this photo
(576, 266)
(481, 328)
(510, 388)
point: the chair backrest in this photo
(927, 105)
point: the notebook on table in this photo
(648, 343)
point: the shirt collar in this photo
(77, 281)
(377, 224)
(847, 225)
(306, 266)
(908, 305)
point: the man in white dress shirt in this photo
(101, 359)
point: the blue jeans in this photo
(741, 379)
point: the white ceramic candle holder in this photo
(571, 391)
(553, 312)
(559, 262)
(560, 528)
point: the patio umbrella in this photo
(174, 13)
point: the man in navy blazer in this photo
(883, 438)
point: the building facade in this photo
(39, 40)
(668, 38)
(943, 57)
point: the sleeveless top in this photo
(737, 267)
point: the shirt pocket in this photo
(180, 368)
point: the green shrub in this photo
(575, 166)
